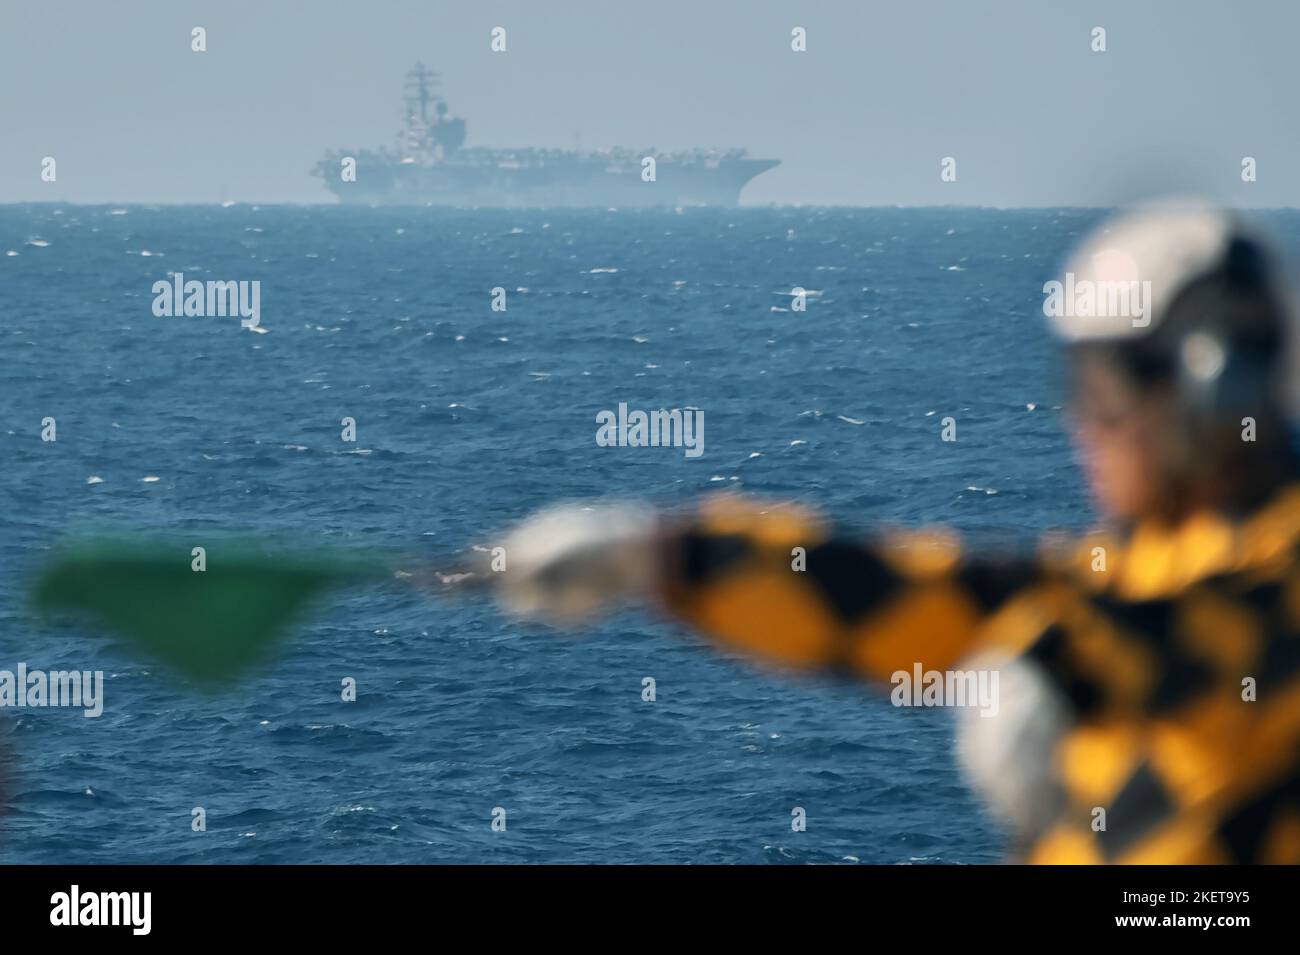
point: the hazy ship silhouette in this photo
(432, 166)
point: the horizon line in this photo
(281, 203)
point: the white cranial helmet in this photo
(1185, 292)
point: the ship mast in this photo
(428, 134)
(420, 86)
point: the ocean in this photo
(467, 419)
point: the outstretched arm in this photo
(780, 585)
(773, 582)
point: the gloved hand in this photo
(565, 564)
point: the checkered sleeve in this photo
(781, 585)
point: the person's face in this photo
(1120, 435)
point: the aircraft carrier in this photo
(431, 165)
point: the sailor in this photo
(1150, 673)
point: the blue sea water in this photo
(468, 419)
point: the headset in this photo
(1216, 320)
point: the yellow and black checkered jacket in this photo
(1176, 649)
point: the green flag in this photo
(208, 617)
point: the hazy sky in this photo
(1010, 88)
